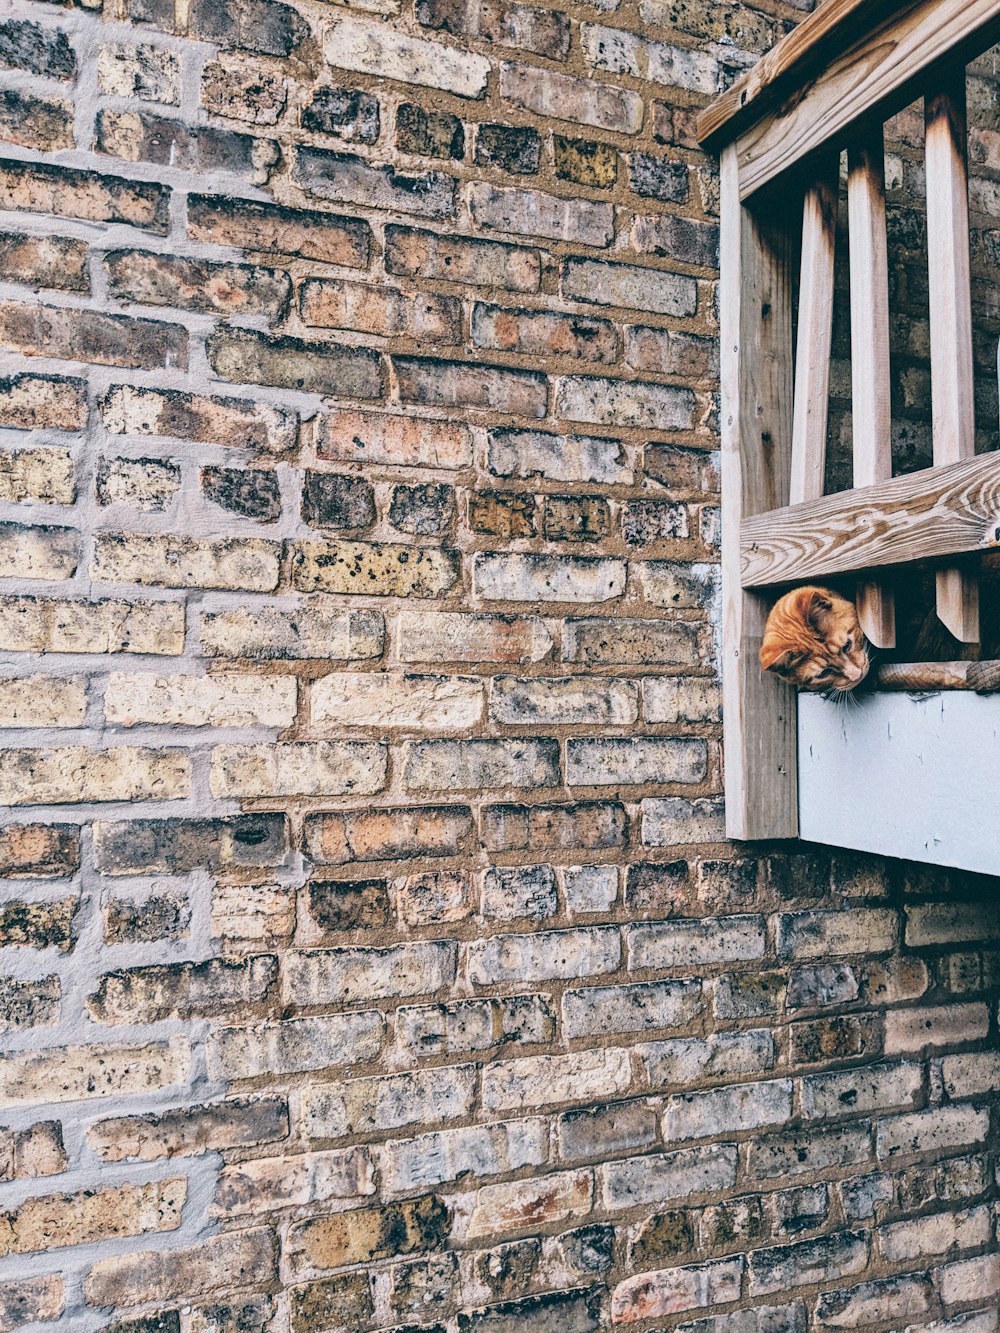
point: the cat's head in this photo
(814, 641)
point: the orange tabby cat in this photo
(814, 640)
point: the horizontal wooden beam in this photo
(875, 77)
(983, 677)
(828, 30)
(935, 513)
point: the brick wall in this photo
(370, 956)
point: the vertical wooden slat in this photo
(953, 408)
(815, 330)
(871, 411)
(756, 317)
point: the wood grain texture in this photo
(953, 408)
(814, 336)
(924, 676)
(874, 77)
(756, 368)
(932, 514)
(813, 43)
(871, 408)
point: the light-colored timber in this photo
(829, 29)
(875, 77)
(931, 514)
(871, 409)
(756, 369)
(815, 332)
(921, 676)
(953, 409)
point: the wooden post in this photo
(756, 340)
(815, 332)
(951, 321)
(871, 410)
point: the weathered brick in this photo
(857, 1091)
(629, 286)
(295, 1046)
(653, 1295)
(27, 45)
(388, 835)
(143, 484)
(822, 934)
(312, 632)
(695, 1115)
(449, 765)
(547, 578)
(542, 333)
(352, 180)
(375, 48)
(36, 187)
(29, 1004)
(605, 1130)
(366, 1234)
(374, 569)
(28, 402)
(414, 702)
(505, 514)
(512, 148)
(539, 30)
(253, 493)
(175, 846)
(670, 237)
(44, 851)
(386, 311)
(306, 1178)
(54, 1221)
(67, 774)
(331, 1302)
(85, 335)
(547, 1079)
(936, 1130)
(528, 1203)
(613, 762)
(534, 213)
(589, 824)
(522, 393)
(229, 700)
(196, 284)
(609, 402)
(44, 261)
(216, 1264)
(191, 1130)
(143, 136)
(164, 916)
(70, 1073)
(243, 90)
(129, 410)
(473, 1025)
(348, 975)
(345, 113)
(42, 701)
(544, 956)
(148, 72)
(672, 821)
(827, 1259)
(268, 228)
(584, 161)
(569, 699)
(459, 259)
(388, 1102)
(176, 561)
(456, 637)
(181, 990)
(694, 943)
(401, 441)
(452, 1154)
(31, 1300)
(667, 1177)
(246, 357)
(566, 97)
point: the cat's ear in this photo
(818, 607)
(775, 658)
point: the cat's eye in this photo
(847, 647)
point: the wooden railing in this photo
(827, 88)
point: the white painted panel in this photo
(913, 776)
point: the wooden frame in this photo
(826, 88)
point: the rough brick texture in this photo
(370, 954)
